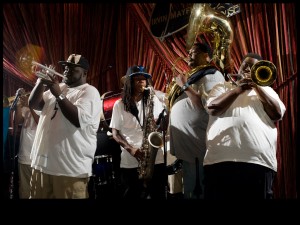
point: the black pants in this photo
(237, 180)
(134, 188)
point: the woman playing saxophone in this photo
(133, 120)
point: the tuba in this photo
(174, 91)
(204, 19)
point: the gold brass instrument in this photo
(173, 90)
(43, 71)
(263, 73)
(155, 141)
(152, 141)
(234, 80)
(205, 20)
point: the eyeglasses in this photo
(55, 109)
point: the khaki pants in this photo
(24, 180)
(44, 186)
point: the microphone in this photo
(16, 100)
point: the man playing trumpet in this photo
(66, 140)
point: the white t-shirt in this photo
(188, 123)
(244, 133)
(60, 148)
(131, 130)
(27, 136)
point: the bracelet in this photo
(60, 97)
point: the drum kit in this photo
(103, 169)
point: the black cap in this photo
(138, 70)
(76, 60)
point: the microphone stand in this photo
(15, 125)
(165, 155)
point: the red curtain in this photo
(114, 36)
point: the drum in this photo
(103, 171)
(108, 101)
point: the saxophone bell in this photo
(155, 141)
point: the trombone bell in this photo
(263, 73)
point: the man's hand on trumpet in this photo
(246, 84)
(53, 83)
(54, 88)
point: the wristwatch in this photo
(60, 97)
(185, 86)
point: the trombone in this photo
(263, 73)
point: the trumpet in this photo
(263, 73)
(44, 71)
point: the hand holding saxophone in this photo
(138, 154)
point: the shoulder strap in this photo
(201, 73)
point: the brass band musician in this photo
(240, 162)
(188, 118)
(133, 120)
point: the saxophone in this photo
(152, 141)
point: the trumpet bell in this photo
(264, 73)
